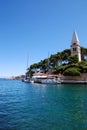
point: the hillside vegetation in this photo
(62, 62)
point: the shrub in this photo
(85, 69)
(72, 72)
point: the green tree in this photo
(72, 72)
(73, 59)
(83, 53)
(53, 61)
(65, 54)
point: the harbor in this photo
(42, 106)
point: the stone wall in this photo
(83, 77)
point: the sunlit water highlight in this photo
(42, 107)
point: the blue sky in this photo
(36, 27)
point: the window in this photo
(74, 49)
(74, 43)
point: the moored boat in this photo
(26, 80)
(46, 80)
(50, 80)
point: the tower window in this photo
(74, 43)
(74, 49)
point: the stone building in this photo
(75, 46)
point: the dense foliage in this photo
(62, 62)
(72, 72)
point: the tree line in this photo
(61, 62)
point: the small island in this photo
(70, 65)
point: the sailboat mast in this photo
(27, 66)
(27, 61)
(48, 62)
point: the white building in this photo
(75, 46)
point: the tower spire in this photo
(75, 46)
(75, 38)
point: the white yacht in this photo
(46, 79)
(50, 80)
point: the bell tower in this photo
(75, 46)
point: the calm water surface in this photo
(42, 107)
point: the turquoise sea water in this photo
(42, 107)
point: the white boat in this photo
(38, 78)
(26, 80)
(46, 80)
(50, 80)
